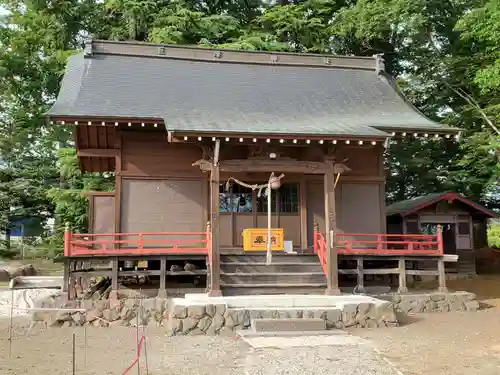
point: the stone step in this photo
(287, 325)
(247, 333)
(296, 278)
(261, 258)
(272, 289)
(240, 267)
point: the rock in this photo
(363, 308)
(370, 323)
(189, 267)
(196, 311)
(210, 310)
(196, 332)
(93, 315)
(442, 306)
(437, 297)
(220, 309)
(230, 323)
(79, 318)
(349, 314)
(385, 312)
(117, 323)
(471, 305)
(4, 275)
(179, 311)
(269, 314)
(188, 324)
(205, 323)
(396, 298)
(127, 313)
(255, 314)
(217, 322)
(295, 313)
(225, 331)
(130, 303)
(101, 304)
(418, 305)
(174, 326)
(29, 270)
(110, 315)
(333, 316)
(63, 316)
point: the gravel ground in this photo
(439, 344)
(110, 351)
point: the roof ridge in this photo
(223, 55)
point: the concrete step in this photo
(288, 325)
(297, 278)
(261, 258)
(247, 333)
(272, 289)
(244, 267)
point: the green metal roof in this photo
(413, 205)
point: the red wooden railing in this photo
(137, 243)
(381, 244)
(320, 248)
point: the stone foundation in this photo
(432, 302)
(187, 317)
(223, 315)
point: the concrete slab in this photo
(277, 301)
(303, 341)
(250, 333)
(36, 282)
(273, 325)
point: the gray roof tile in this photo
(236, 97)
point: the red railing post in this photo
(67, 240)
(208, 237)
(140, 245)
(379, 242)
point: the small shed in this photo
(464, 224)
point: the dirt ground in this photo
(437, 344)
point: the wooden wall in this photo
(360, 193)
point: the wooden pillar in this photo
(114, 280)
(162, 292)
(360, 270)
(402, 276)
(441, 276)
(330, 231)
(214, 288)
(66, 279)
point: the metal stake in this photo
(10, 323)
(85, 345)
(74, 362)
(145, 339)
(137, 345)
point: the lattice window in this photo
(288, 200)
(237, 199)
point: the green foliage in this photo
(494, 235)
(69, 198)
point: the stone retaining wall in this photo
(432, 302)
(202, 319)
(183, 317)
(196, 319)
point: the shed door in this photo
(162, 206)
